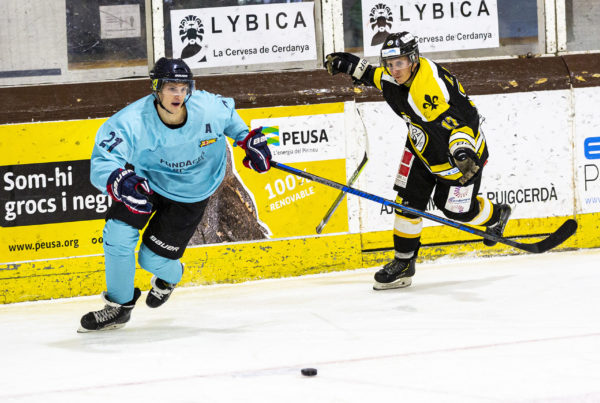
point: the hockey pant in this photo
(165, 239)
(415, 184)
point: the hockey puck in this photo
(309, 371)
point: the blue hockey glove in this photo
(258, 155)
(464, 159)
(125, 186)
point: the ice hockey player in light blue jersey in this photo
(160, 159)
(186, 162)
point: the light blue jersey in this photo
(186, 164)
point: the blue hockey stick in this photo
(567, 229)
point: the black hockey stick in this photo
(567, 229)
(342, 194)
(353, 178)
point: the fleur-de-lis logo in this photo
(430, 102)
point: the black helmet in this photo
(171, 70)
(400, 44)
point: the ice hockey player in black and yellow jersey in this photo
(445, 150)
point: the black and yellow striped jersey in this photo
(440, 116)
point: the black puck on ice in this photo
(309, 371)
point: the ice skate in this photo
(112, 316)
(160, 292)
(396, 274)
(498, 228)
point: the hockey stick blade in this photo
(342, 194)
(567, 229)
(563, 233)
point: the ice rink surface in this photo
(508, 329)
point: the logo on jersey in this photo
(430, 102)
(417, 137)
(459, 199)
(208, 142)
(191, 33)
(380, 20)
(405, 117)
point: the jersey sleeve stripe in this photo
(446, 171)
(377, 77)
(461, 138)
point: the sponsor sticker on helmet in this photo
(407, 37)
(390, 52)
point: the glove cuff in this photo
(360, 69)
(112, 183)
(244, 143)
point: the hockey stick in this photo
(353, 178)
(567, 229)
(342, 194)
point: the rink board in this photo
(335, 138)
(239, 262)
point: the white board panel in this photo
(530, 160)
(587, 149)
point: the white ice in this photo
(508, 329)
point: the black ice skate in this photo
(113, 316)
(396, 274)
(160, 292)
(498, 228)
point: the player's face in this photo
(172, 96)
(400, 68)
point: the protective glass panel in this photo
(71, 40)
(448, 29)
(106, 33)
(583, 24)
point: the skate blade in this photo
(400, 283)
(111, 327)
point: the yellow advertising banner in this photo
(50, 210)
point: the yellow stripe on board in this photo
(286, 111)
(231, 263)
(208, 264)
(443, 241)
(587, 235)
